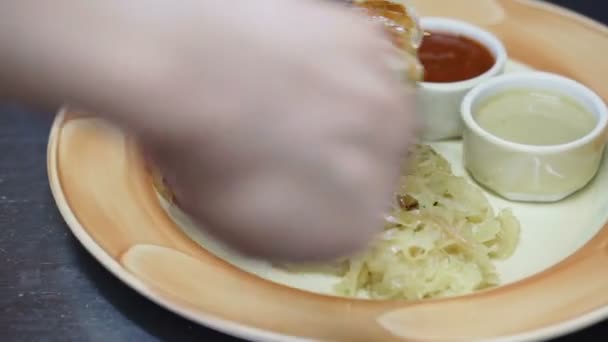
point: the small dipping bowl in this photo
(533, 172)
(439, 102)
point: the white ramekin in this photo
(528, 172)
(439, 103)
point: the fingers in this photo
(292, 151)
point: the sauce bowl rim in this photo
(580, 93)
(455, 26)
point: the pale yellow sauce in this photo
(534, 117)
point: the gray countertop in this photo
(51, 289)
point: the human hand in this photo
(278, 124)
(285, 136)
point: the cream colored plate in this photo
(555, 283)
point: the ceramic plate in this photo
(555, 283)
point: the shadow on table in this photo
(150, 317)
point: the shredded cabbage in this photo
(440, 239)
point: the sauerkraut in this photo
(440, 239)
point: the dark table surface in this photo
(50, 288)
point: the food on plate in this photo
(160, 185)
(442, 236)
(441, 239)
(448, 57)
(402, 25)
(554, 118)
(400, 21)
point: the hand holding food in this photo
(286, 148)
(279, 125)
